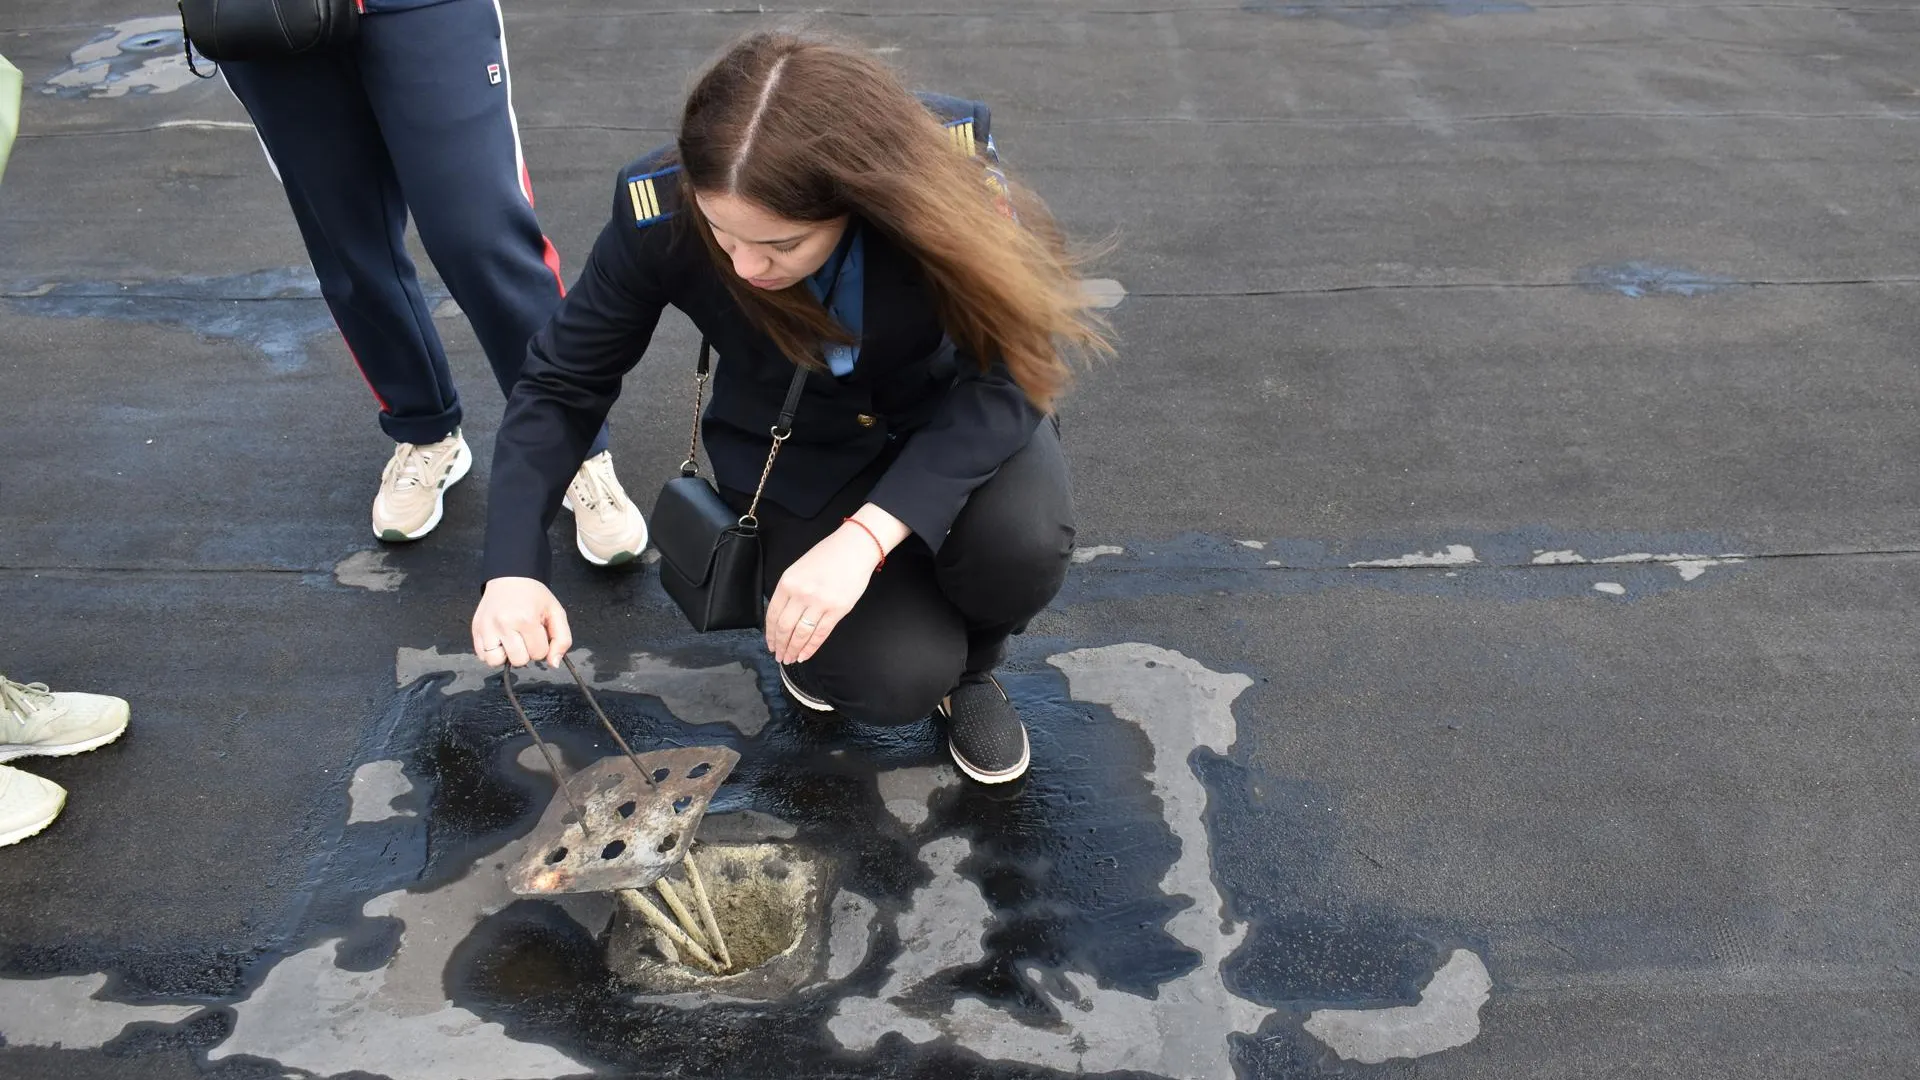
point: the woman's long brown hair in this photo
(812, 128)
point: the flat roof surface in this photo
(1491, 653)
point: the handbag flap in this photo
(688, 520)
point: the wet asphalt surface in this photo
(1609, 279)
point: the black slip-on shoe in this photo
(984, 733)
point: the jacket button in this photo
(865, 420)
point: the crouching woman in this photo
(815, 213)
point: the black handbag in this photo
(266, 29)
(710, 556)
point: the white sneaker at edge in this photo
(36, 722)
(27, 804)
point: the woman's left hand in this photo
(817, 591)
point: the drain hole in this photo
(680, 804)
(613, 850)
(764, 917)
(660, 775)
(626, 809)
(668, 843)
(556, 855)
(700, 770)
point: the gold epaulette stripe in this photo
(646, 201)
(962, 134)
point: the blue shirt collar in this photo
(840, 286)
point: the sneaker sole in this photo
(459, 473)
(20, 750)
(25, 831)
(805, 700)
(616, 559)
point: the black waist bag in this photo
(710, 556)
(267, 29)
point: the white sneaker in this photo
(35, 721)
(413, 486)
(27, 804)
(607, 528)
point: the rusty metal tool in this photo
(621, 823)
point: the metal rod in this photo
(706, 909)
(679, 908)
(608, 724)
(506, 681)
(635, 901)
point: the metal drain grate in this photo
(613, 827)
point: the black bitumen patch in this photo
(1069, 860)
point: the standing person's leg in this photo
(324, 144)
(439, 81)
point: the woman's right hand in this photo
(519, 621)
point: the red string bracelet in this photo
(876, 540)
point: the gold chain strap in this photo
(748, 520)
(691, 466)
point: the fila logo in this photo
(493, 74)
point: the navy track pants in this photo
(416, 115)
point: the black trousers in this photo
(926, 619)
(415, 116)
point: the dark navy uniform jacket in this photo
(947, 421)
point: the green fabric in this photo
(9, 109)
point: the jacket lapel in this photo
(895, 305)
